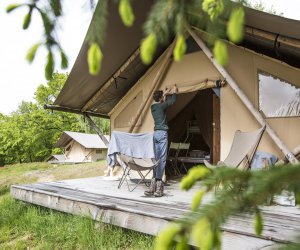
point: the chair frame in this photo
(173, 159)
(249, 156)
(183, 146)
(132, 165)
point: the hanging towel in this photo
(139, 145)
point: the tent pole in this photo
(162, 70)
(289, 155)
(117, 74)
(98, 130)
(296, 152)
(75, 111)
(272, 37)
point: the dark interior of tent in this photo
(190, 122)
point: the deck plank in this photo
(102, 201)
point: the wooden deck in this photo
(103, 201)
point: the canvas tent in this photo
(57, 159)
(81, 147)
(267, 59)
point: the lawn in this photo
(25, 226)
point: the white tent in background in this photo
(56, 159)
(81, 147)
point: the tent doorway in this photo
(195, 119)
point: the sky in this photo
(19, 79)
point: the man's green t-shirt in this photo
(158, 111)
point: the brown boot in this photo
(159, 189)
(152, 188)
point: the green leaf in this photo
(258, 223)
(182, 244)
(165, 237)
(56, 7)
(180, 48)
(187, 182)
(64, 60)
(32, 52)
(235, 27)
(202, 234)
(48, 24)
(148, 48)
(126, 12)
(194, 174)
(220, 52)
(197, 200)
(27, 20)
(199, 172)
(12, 7)
(297, 197)
(217, 239)
(94, 58)
(49, 66)
(213, 8)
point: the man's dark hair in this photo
(157, 95)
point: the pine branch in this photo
(242, 191)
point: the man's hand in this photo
(167, 92)
(175, 89)
(170, 91)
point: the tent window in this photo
(98, 151)
(277, 97)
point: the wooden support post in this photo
(99, 132)
(296, 152)
(289, 155)
(272, 37)
(156, 81)
(75, 111)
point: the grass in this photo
(24, 226)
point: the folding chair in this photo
(242, 150)
(136, 164)
(172, 156)
(183, 151)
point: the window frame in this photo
(259, 71)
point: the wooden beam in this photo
(272, 37)
(75, 111)
(111, 80)
(98, 130)
(103, 201)
(289, 155)
(157, 80)
(215, 154)
(296, 152)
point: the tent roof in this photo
(58, 158)
(121, 42)
(273, 23)
(86, 140)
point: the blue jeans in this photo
(160, 144)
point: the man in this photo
(162, 100)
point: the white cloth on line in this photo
(138, 145)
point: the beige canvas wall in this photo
(193, 67)
(76, 154)
(98, 156)
(243, 66)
